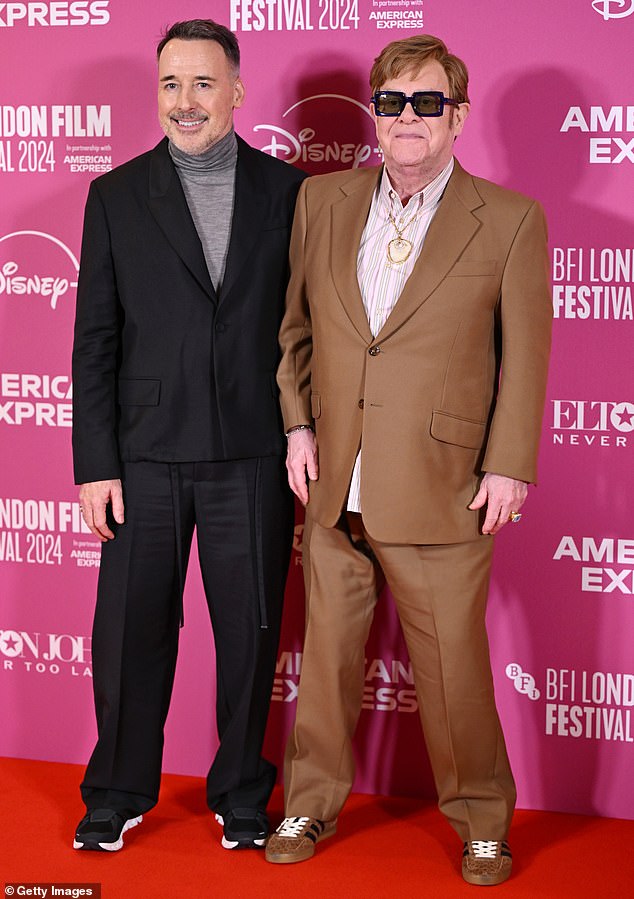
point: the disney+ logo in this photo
(606, 8)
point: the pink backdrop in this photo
(553, 116)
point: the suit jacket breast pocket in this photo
(139, 391)
(472, 268)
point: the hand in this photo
(502, 496)
(94, 498)
(301, 460)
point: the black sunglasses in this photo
(424, 103)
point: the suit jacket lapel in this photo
(169, 207)
(249, 213)
(349, 216)
(452, 227)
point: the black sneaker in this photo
(103, 829)
(244, 828)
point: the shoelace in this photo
(292, 827)
(484, 848)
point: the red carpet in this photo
(385, 848)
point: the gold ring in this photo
(515, 517)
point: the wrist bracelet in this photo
(298, 428)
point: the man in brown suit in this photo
(415, 351)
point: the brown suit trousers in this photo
(440, 593)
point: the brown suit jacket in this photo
(454, 383)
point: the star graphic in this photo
(11, 643)
(624, 412)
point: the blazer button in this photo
(220, 327)
(374, 350)
(360, 404)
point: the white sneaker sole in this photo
(235, 844)
(118, 844)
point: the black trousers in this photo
(243, 514)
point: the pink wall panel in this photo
(553, 116)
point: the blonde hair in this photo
(411, 54)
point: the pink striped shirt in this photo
(381, 281)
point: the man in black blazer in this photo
(176, 425)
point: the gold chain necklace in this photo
(399, 248)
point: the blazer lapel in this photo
(249, 214)
(169, 207)
(452, 227)
(349, 216)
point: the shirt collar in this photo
(429, 196)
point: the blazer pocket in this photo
(315, 405)
(467, 268)
(139, 391)
(460, 431)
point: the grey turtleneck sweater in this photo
(208, 183)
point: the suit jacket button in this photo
(374, 350)
(220, 327)
(360, 404)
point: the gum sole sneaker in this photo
(295, 839)
(486, 862)
(244, 828)
(102, 829)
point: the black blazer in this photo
(164, 369)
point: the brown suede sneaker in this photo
(486, 862)
(295, 839)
